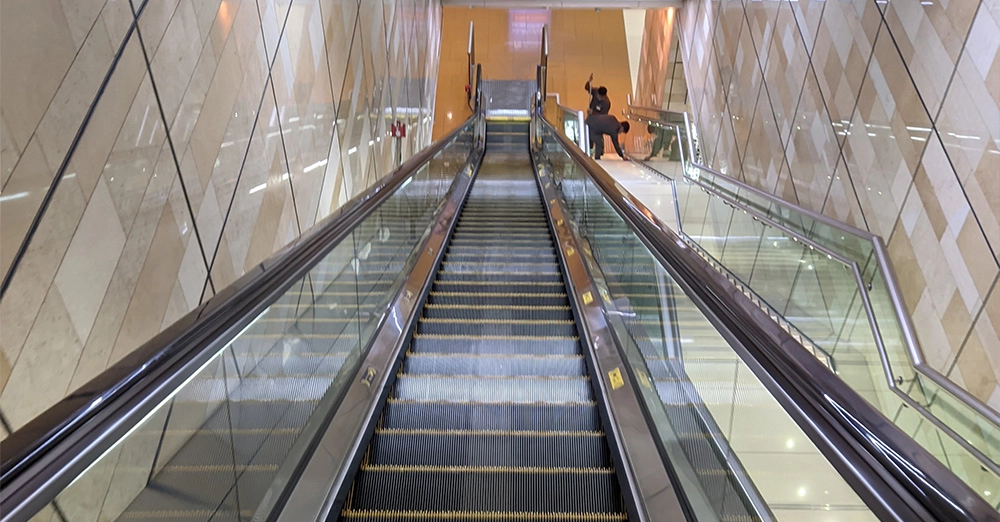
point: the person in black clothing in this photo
(599, 101)
(606, 124)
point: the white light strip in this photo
(258, 188)
(314, 166)
(16, 195)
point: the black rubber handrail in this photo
(48, 443)
(885, 466)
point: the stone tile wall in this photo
(882, 114)
(191, 139)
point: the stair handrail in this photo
(691, 168)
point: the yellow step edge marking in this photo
(393, 400)
(492, 356)
(498, 433)
(494, 307)
(504, 273)
(505, 283)
(481, 515)
(496, 321)
(505, 253)
(488, 469)
(496, 294)
(497, 337)
(464, 377)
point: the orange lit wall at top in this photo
(508, 46)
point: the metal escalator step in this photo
(489, 449)
(499, 328)
(496, 275)
(498, 312)
(499, 286)
(495, 266)
(478, 516)
(573, 490)
(514, 254)
(507, 365)
(502, 234)
(486, 344)
(536, 226)
(497, 299)
(496, 389)
(492, 241)
(414, 415)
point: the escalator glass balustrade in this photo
(737, 453)
(215, 446)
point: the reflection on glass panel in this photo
(736, 452)
(214, 447)
(826, 282)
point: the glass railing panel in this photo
(736, 453)
(213, 448)
(830, 285)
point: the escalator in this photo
(492, 413)
(478, 338)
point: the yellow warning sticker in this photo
(615, 377)
(547, 185)
(588, 298)
(559, 222)
(570, 251)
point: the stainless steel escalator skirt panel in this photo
(314, 494)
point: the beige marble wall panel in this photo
(930, 39)
(785, 70)
(42, 371)
(23, 194)
(306, 113)
(47, 114)
(124, 248)
(44, 256)
(812, 149)
(886, 137)
(38, 48)
(9, 152)
(744, 90)
(121, 293)
(761, 22)
(843, 48)
(5, 370)
(764, 157)
(893, 125)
